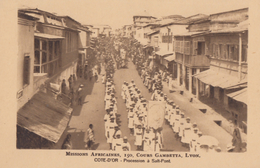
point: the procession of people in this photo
(112, 55)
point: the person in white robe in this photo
(139, 137)
(187, 133)
(117, 141)
(176, 125)
(111, 131)
(147, 140)
(181, 127)
(126, 145)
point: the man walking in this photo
(89, 137)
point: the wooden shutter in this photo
(26, 72)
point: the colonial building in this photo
(139, 21)
(26, 83)
(226, 80)
(48, 48)
(189, 48)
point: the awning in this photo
(170, 58)
(47, 36)
(163, 53)
(240, 84)
(217, 79)
(240, 95)
(188, 33)
(153, 32)
(44, 116)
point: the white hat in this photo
(125, 137)
(118, 132)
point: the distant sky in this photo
(117, 13)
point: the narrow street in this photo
(92, 112)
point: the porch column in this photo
(190, 80)
(183, 74)
(197, 84)
(178, 73)
(239, 56)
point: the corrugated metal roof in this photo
(47, 36)
(217, 79)
(240, 95)
(243, 26)
(44, 116)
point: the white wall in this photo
(25, 45)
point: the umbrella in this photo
(208, 140)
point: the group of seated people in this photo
(112, 131)
(146, 138)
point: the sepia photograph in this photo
(132, 81)
(175, 82)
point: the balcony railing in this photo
(197, 61)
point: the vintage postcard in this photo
(149, 83)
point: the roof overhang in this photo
(48, 36)
(44, 116)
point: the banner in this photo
(156, 111)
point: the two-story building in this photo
(226, 80)
(41, 119)
(189, 48)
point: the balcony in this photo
(197, 61)
(179, 57)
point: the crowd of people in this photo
(146, 138)
(112, 130)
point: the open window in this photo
(201, 48)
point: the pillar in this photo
(190, 80)
(178, 73)
(197, 84)
(183, 74)
(239, 56)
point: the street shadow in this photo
(95, 146)
(216, 106)
(87, 90)
(77, 139)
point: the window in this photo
(201, 48)
(46, 56)
(235, 57)
(166, 38)
(244, 53)
(37, 43)
(195, 46)
(187, 47)
(56, 49)
(182, 46)
(177, 46)
(50, 50)
(26, 72)
(44, 45)
(36, 57)
(36, 69)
